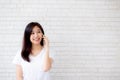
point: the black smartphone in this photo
(42, 41)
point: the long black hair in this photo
(27, 45)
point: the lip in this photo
(37, 39)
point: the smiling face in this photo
(36, 36)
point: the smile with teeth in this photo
(37, 39)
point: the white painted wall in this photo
(84, 33)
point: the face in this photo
(36, 36)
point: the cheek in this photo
(41, 35)
(30, 38)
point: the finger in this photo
(44, 36)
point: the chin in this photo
(36, 43)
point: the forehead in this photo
(36, 28)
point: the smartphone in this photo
(42, 41)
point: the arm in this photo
(47, 60)
(19, 72)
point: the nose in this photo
(36, 34)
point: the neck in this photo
(36, 47)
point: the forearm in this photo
(19, 78)
(47, 61)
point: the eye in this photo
(39, 31)
(32, 33)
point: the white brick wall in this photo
(84, 33)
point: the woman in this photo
(35, 60)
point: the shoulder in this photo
(17, 58)
(52, 53)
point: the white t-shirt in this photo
(33, 70)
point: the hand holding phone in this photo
(45, 42)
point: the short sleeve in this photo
(17, 59)
(52, 54)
